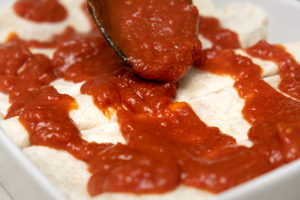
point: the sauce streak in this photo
(209, 27)
(41, 10)
(22, 75)
(221, 38)
(167, 144)
(288, 67)
(274, 117)
(68, 33)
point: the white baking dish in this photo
(23, 181)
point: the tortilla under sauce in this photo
(166, 142)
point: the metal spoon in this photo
(97, 11)
(160, 41)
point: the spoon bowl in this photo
(97, 10)
(158, 38)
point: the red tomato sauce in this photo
(166, 142)
(288, 67)
(79, 59)
(220, 37)
(67, 34)
(22, 75)
(41, 10)
(158, 37)
(275, 118)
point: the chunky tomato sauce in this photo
(220, 37)
(55, 40)
(274, 117)
(157, 37)
(41, 10)
(288, 67)
(22, 75)
(167, 143)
